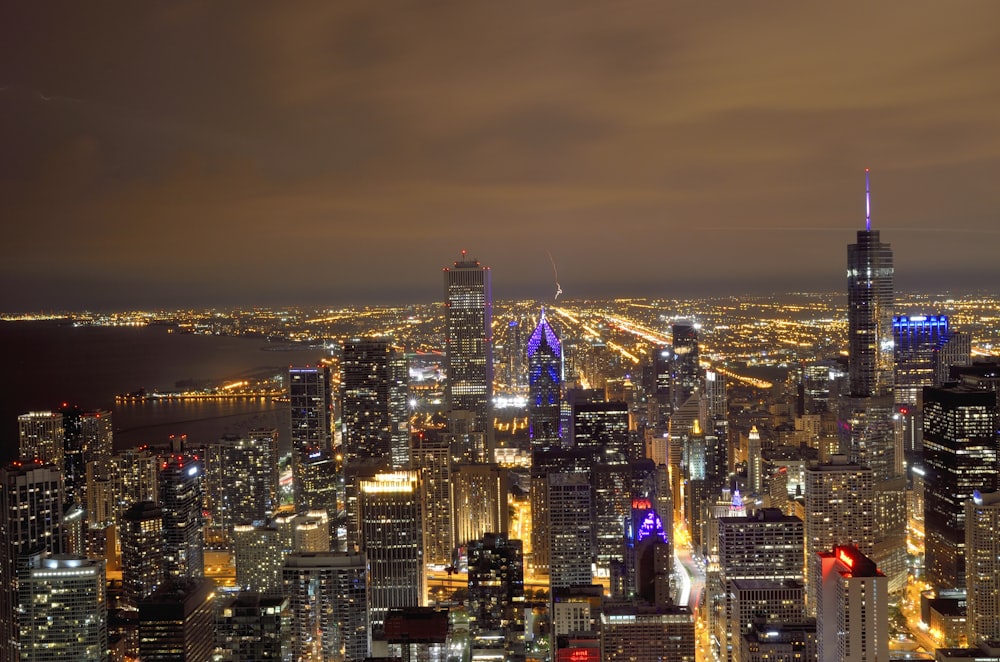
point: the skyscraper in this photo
(31, 506)
(496, 591)
(982, 566)
(685, 370)
(311, 406)
(88, 438)
(374, 411)
(570, 529)
(545, 375)
(479, 501)
(177, 622)
(41, 437)
(468, 297)
(852, 608)
(392, 537)
(251, 626)
(141, 535)
(63, 609)
(180, 499)
(431, 455)
(241, 479)
(960, 456)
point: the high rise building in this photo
(602, 428)
(241, 479)
(63, 609)
(431, 455)
(468, 297)
(479, 501)
(496, 593)
(763, 602)
(647, 633)
(915, 341)
(177, 622)
(251, 626)
(982, 566)
(374, 410)
(852, 608)
(545, 376)
(88, 437)
(960, 456)
(180, 487)
(311, 407)
(31, 507)
(329, 597)
(685, 370)
(570, 529)
(839, 510)
(259, 552)
(648, 555)
(41, 437)
(392, 537)
(141, 535)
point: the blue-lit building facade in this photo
(545, 376)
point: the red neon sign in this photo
(845, 558)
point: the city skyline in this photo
(720, 151)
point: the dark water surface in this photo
(43, 364)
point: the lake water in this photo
(45, 364)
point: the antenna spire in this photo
(868, 202)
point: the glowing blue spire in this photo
(868, 203)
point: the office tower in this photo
(601, 428)
(251, 627)
(762, 601)
(180, 487)
(570, 529)
(468, 301)
(496, 592)
(311, 407)
(259, 552)
(241, 480)
(647, 633)
(839, 510)
(392, 537)
(87, 438)
(177, 622)
(755, 459)
(764, 545)
(982, 566)
(545, 376)
(41, 436)
(955, 351)
(685, 370)
(479, 501)
(431, 455)
(716, 394)
(576, 611)
(648, 555)
(915, 339)
(329, 597)
(960, 456)
(852, 608)
(31, 507)
(374, 410)
(612, 506)
(63, 608)
(141, 535)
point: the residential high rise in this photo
(496, 592)
(177, 622)
(180, 487)
(88, 437)
(852, 608)
(545, 376)
(839, 510)
(141, 535)
(982, 566)
(647, 633)
(41, 437)
(251, 626)
(259, 552)
(374, 410)
(479, 501)
(392, 537)
(570, 529)
(329, 597)
(468, 300)
(431, 455)
(241, 479)
(31, 507)
(763, 601)
(960, 456)
(311, 407)
(63, 609)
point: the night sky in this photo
(163, 154)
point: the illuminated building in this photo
(852, 608)
(915, 341)
(311, 407)
(63, 609)
(241, 479)
(259, 552)
(685, 371)
(251, 626)
(648, 555)
(647, 633)
(602, 429)
(766, 544)
(31, 507)
(431, 455)
(180, 487)
(839, 510)
(755, 459)
(468, 297)
(496, 592)
(141, 535)
(329, 598)
(612, 506)
(570, 529)
(392, 537)
(576, 611)
(177, 622)
(374, 396)
(88, 437)
(311, 532)
(545, 376)
(41, 436)
(479, 501)
(794, 642)
(960, 456)
(762, 601)
(982, 566)
(113, 485)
